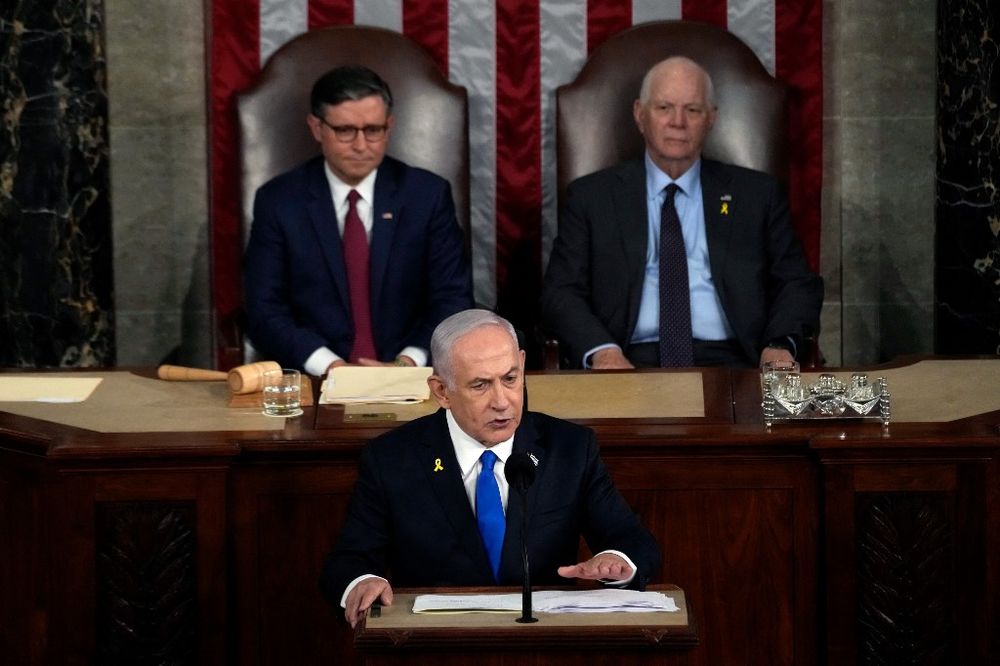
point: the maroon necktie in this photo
(676, 346)
(356, 260)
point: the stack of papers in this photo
(353, 384)
(583, 601)
(19, 388)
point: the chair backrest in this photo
(431, 130)
(594, 123)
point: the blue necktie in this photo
(676, 347)
(489, 512)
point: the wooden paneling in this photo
(800, 544)
(741, 535)
(910, 568)
(286, 520)
(147, 598)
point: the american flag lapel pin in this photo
(386, 216)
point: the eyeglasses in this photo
(347, 133)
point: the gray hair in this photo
(456, 326)
(647, 80)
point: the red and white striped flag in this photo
(510, 55)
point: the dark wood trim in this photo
(761, 527)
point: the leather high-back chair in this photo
(595, 127)
(594, 123)
(431, 114)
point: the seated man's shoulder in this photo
(411, 175)
(601, 178)
(408, 433)
(293, 180)
(558, 430)
(744, 175)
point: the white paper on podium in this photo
(40, 388)
(607, 600)
(352, 384)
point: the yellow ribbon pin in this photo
(437, 465)
(725, 208)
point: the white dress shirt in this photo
(468, 451)
(320, 360)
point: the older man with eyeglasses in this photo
(353, 257)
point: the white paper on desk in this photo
(468, 603)
(22, 388)
(605, 600)
(352, 384)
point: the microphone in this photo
(519, 470)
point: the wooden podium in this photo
(398, 636)
(150, 486)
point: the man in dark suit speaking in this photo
(432, 506)
(353, 256)
(676, 260)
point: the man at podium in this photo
(432, 505)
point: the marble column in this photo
(878, 206)
(967, 275)
(56, 294)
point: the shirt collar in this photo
(339, 189)
(468, 450)
(656, 180)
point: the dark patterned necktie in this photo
(489, 512)
(675, 295)
(356, 262)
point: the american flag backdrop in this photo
(510, 55)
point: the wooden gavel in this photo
(247, 378)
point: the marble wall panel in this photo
(888, 231)
(830, 245)
(56, 294)
(156, 72)
(888, 58)
(830, 336)
(968, 174)
(878, 213)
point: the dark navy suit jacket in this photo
(416, 526)
(594, 281)
(297, 296)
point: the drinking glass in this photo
(282, 394)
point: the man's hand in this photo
(400, 361)
(336, 364)
(776, 354)
(610, 358)
(372, 362)
(363, 596)
(606, 566)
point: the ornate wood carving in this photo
(906, 576)
(146, 583)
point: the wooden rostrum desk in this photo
(804, 543)
(396, 635)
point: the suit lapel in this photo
(436, 450)
(324, 221)
(633, 222)
(385, 214)
(717, 197)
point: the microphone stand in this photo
(526, 617)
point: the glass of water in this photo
(282, 395)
